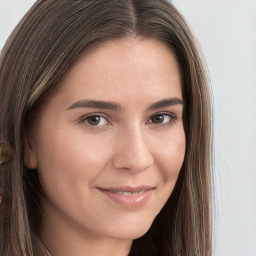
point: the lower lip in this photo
(133, 201)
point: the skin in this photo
(127, 147)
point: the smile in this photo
(126, 193)
(128, 196)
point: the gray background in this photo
(226, 30)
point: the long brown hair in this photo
(39, 52)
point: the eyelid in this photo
(172, 115)
(169, 113)
(83, 118)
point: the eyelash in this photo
(84, 119)
(173, 118)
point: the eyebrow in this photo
(117, 107)
(95, 104)
(166, 103)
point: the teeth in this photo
(127, 193)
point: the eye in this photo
(94, 120)
(163, 118)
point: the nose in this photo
(132, 152)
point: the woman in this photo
(105, 132)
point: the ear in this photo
(30, 153)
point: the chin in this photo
(132, 232)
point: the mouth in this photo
(131, 197)
(125, 193)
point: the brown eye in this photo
(95, 120)
(158, 118)
(163, 118)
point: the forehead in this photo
(125, 58)
(124, 71)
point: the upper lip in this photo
(128, 188)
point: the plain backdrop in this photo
(227, 34)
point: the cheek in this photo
(171, 156)
(66, 160)
(169, 159)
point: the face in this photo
(109, 143)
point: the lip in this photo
(141, 195)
